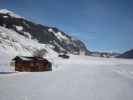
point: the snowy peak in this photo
(10, 13)
(5, 11)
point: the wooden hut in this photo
(31, 64)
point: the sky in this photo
(103, 25)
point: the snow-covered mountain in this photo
(104, 54)
(127, 54)
(21, 36)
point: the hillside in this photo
(31, 32)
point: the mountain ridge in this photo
(127, 54)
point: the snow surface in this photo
(77, 78)
(5, 62)
(19, 28)
(59, 35)
(13, 43)
(5, 11)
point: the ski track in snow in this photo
(79, 78)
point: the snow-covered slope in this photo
(60, 41)
(15, 44)
(5, 59)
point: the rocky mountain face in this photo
(128, 54)
(60, 41)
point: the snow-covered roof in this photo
(5, 11)
(27, 58)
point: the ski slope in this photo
(79, 78)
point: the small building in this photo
(31, 64)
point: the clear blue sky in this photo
(104, 25)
